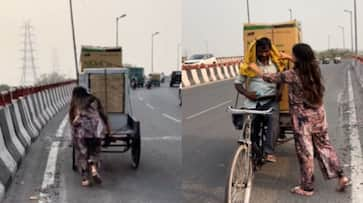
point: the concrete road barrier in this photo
(8, 166)
(194, 75)
(28, 104)
(23, 113)
(13, 144)
(38, 110)
(13, 132)
(50, 101)
(43, 109)
(18, 125)
(25, 116)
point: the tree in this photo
(4, 87)
(331, 53)
(50, 78)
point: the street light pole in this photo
(248, 11)
(178, 56)
(351, 28)
(343, 35)
(152, 50)
(74, 41)
(356, 27)
(290, 10)
(117, 19)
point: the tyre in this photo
(239, 181)
(136, 150)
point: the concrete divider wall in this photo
(23, 114)
(194, 75)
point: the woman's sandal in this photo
(299, 191)
(343, 183)
(85, 183)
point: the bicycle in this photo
(248, 157)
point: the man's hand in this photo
(255, 69)
(251, 95)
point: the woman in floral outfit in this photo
(89, 126)
(308, 118)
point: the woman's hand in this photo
(286, 56)
(255, 69)
(75, 120)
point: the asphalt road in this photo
(209, 141)
(158, 178)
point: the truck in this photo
(154, 79)
(136, 76)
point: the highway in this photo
(209, 141)
(157, 179)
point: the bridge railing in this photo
(194, 75)
(6, 97)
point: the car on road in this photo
(201, 59)
(326, 60)
(337, 59)
(175, 78)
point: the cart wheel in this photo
(74, 167)
(136, 150)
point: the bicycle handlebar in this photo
(249, 111)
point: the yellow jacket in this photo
(250, 57)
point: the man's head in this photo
(263, 48)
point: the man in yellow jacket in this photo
(260, 94)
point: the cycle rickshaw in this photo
(111, 86)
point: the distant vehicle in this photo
(175, 78)
(337, 59)
(162, 77)
(326, 60)
(153, 80)
(136, 76)
(199, 59)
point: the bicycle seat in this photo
(249, 111)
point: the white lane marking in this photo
(172, 138)
(208, 109)
(141, 98)
(2, 191)
(49, 173)
(48, 179)
(150, 106)
(171, 118)
(61, 127)
(356, 150)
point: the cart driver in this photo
(259, 94)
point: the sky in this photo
(192, 26)
(216, 26)
(94, 25)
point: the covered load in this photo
(283, 35)
(100, 57)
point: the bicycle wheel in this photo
(239, 181)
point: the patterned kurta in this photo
(310, 132)
(87, 132)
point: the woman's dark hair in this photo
(309, 73)
(80, 99)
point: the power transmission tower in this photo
(28, 68)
